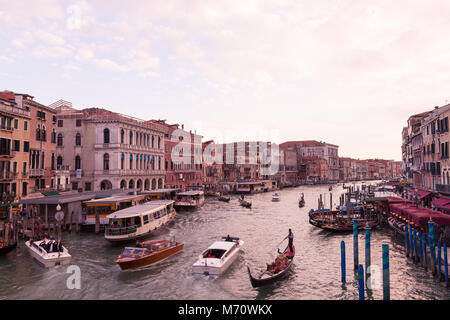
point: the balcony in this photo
(7, 175)
(7, 154)
(443, 188)
(36, 172)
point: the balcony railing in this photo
(36, 172)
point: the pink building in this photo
(185, 171)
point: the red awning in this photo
(420, 193)
(441, 202)
(398, 200)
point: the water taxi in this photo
(46, 253)
(189, 199)
(276, 197)
(218, 257)
(147, 252)
(139, 221)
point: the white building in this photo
(107, 150)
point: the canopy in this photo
(442, 203)
(420, 193)
(419, 215)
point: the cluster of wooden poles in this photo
(359, 268)
(416, 248)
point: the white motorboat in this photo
(48, 259)
(218, 257)
(276, 197)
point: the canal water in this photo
(315, 273)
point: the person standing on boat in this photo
(290, 236)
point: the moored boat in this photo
(5, 248)
(139, 221)
(147, 252)
(275, 197)
(44, 252)
(274, 271)
(218, 257)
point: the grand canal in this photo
(315, 274)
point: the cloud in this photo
(6, 59)
(148, 74)
(51, 52)
(110, 65)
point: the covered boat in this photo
(218, 257)
(147, 252)
(139, 221)
(46, 252)
(275, 271)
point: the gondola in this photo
(244, 203)
(8, 248)
(348, 227)
(268, 277)
(224, 199)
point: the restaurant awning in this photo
(420, 193)
(442, 203)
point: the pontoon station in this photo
(139, 221)
(105, 206)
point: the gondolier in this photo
(290, 236)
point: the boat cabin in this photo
(219, 249)
(190, 199)
(139, 220)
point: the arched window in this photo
(159, 142)
(153, 141)
(77, 162)
(60, 140)
(131, 137)
(106, 161)
(122, 136)
(78, 139)
(122, 161)
(53, 136)
(106, 135)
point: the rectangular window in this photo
(433, 128)
(60, 123)
(145, 219)
(24, 188)
(54, 119)
(16, 145)
(78, 123)
(87, 186)
(16, 124)
(24, 168)
(26, 146)
(74, 185)
(25, 125)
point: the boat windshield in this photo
(214, 253)
(134, 251)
